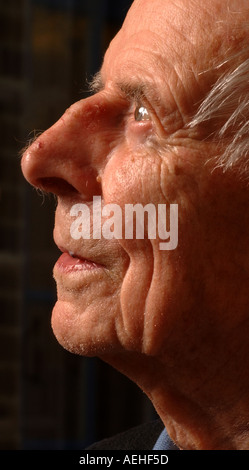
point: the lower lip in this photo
(67, 264)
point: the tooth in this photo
(71, 253)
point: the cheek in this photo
(157, 283)
(132, 177)
(128, 179)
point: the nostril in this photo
(57, 186)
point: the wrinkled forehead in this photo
(196, 32)
(180, 46)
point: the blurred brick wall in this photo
(12, 91)
(35, 88)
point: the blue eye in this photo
(141, 114)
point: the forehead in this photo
(182, 34)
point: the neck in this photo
(200, 414)
(196, 426)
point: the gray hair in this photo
(228, 103)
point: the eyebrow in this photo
(132, 91)
(96, 84)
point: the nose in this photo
(67, 158)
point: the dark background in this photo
(49, 398)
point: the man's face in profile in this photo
(131, 143)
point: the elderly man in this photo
(167, 125)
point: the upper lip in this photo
(72, 252)
(75, 254)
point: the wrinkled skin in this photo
(175, 322)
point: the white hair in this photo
(227, 105)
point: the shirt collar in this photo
(164, 442)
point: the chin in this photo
(83, 333)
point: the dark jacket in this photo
(141, 437)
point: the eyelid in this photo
(143, 101)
